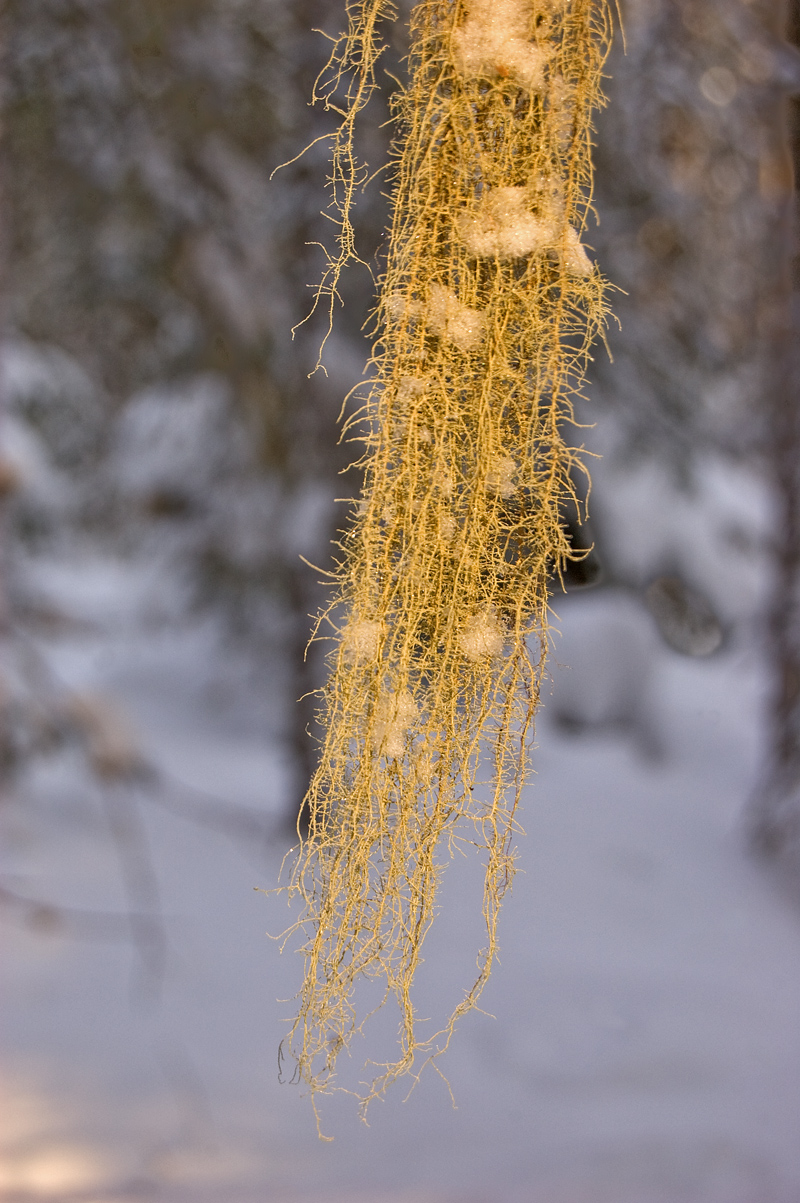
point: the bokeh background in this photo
(167, 459)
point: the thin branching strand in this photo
(345, 86)
(487, 312)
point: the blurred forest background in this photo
(169, 455)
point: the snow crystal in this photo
(482, 637)
(447, 316)
(495, 40)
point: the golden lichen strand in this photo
(488, 309)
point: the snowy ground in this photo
(645, 1045)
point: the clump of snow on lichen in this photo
(495, 40)
(501, 477)
(447, 316)
(547, 192)
(398, 307)
(394, 715)
(411, 387)
(443, 481)
(503, 225)
(447, 527)
(361, 641)
(561, 97)
(573, 254)
(482, 637)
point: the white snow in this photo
(482, 637)
(495, 40)
(448, 317)
(503, 225)
(394, 714)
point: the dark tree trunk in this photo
(774, 818)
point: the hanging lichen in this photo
(487, 312)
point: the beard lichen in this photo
(487, 310)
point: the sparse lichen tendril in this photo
(487, 311)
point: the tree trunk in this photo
(774, 818)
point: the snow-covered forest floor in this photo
(644, 1045)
